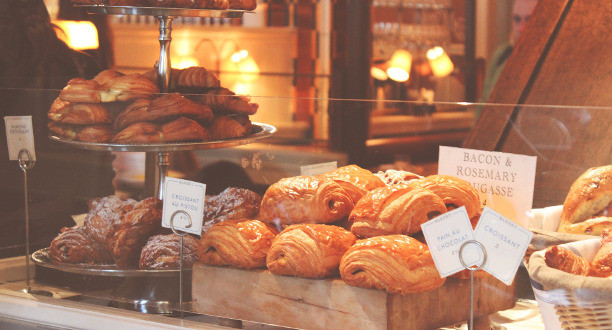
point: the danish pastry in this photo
(355, 180)
(163, 252)
(395, 263)
(236, 243)
(399, 209)
(454, 192)
(304, 199)
(588, 206)
(309, 250)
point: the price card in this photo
(505, 243)
(504, 181)
(184, 205)
(19, 135)
(445, 235)
(316, 169)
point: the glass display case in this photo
(304, 176)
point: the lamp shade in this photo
(399, 65)
(440, 63)
(79, 34)
(378, 71)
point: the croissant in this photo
(588, 206)
(399, 209)
(139, 133)
(163, 252)
(79, 113)
(228, 127)
(162, 109)
(304, 199)
(602, 262)
(309, 250)
(74, 246)
(104, 217)
(196, 77)
(94, 133)
(395, 263)
(454, 192)
(355, 180)
(184, 129)
(105, 78)
(135, 228)
(224, 101)
(562, 259)
(81, 91)
(393, 177)
(230, 204)
(129, 87)
(236, 243)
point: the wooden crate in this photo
(259, 296)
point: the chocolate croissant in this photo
(399, 209)
(163, 252)
(237, 243)
(588, 206)
(355, 180)
(309, 250)
(74, 246)
(395, 263)
(305, 199)
(454, 192)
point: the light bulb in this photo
(440, 63)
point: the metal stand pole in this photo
(164, 70)
(472, 269)
(182, 235)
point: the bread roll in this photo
(309, 250)
(355, 180)
(454, 192)
(394, 263)
(304, 199)
(588, 206)
(399, 209)
(236, 243)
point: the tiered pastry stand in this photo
(140, 289)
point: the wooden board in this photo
(259, 296)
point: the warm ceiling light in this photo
(185, 62)
(440, 63)
(378, 71)
(399, 65)
(78, 34)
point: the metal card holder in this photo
(181, 235)
(472, 269)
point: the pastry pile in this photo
(346, 222)
(129, 109)
(565, 260)
(588, 206)
(201, 4)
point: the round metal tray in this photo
(41, 258)
(260, 131)
(163, 11)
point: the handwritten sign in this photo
(504, 181)
(183, 205)
(19, 135)
(505, 243)
(316, 169)
(445, 235)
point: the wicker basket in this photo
(570, 301)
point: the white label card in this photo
(445, 235)
(184, 200)
(316, 169)
(505, 243)
(504, 181)
(19, 135)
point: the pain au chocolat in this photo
(395, 263)
(309, 250)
